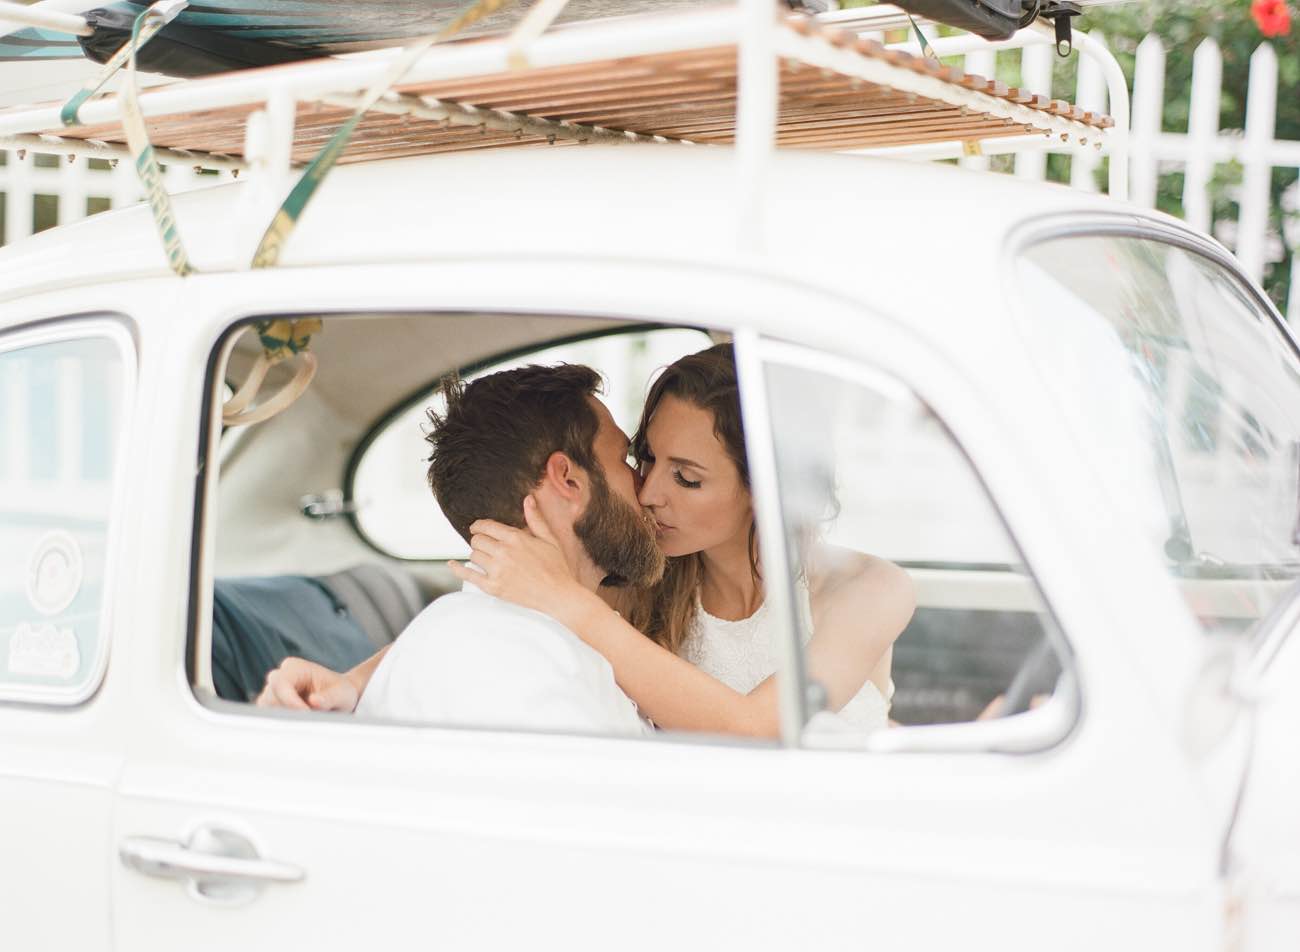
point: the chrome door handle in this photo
(217, 865)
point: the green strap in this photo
(145, 28)
(286, 217)
(286, 337)
(146, 164)
(163, 13)
(926, 48)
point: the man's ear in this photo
(565, 478)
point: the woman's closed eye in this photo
(684, 482)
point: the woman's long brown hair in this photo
(706, 380)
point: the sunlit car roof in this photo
(916, 242)
(828, 213)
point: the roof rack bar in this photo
(875, 19)
(710, 68)
(758, 80)
(817, 52)
(22, 15)
(458, 114)
(94, 149)
(889, 16)
(953, 149)
(313, 79)
(1117, 106)
(1117, 138)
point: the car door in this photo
(1072, 822)
(235, 826)
(1264, 841)
(1201, 386)
(66, 390)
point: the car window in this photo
(59, 449)
(1184, 395)
(394, 507)
(284, 582)
(870, 476)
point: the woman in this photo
(708, 660)
(708, 620)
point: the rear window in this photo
(63, 395)
(1186, 398)
(392, 495)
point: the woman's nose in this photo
(647, 491)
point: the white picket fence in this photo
(40, 191)
(77, 188)
(1196, 152)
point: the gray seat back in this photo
(382, 599)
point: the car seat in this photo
(336, 620)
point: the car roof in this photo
(657, 202)
(919, 243)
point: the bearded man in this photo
(472, 659)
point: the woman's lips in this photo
(661, 529)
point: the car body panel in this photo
(1110, 835)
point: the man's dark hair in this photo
(490, 447)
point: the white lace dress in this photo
(740, 654)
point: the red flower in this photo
(1272, 17)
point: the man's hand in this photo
(994, 708)
(306, 686)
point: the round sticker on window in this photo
(54, 573)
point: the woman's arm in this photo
(674, 693)
(863, 604)
(858, 612)
(527, 568)
(860, 605)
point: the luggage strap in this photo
(286, 218)
(146, 27)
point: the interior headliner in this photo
(370, 365)
(360, 378)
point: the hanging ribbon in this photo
(926, 49)
(282, 225)
(160, 14)
(145, 27)
(281, 340)
(146, 163)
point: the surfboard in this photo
(314, 27)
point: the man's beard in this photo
(618, 539)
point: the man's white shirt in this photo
(473, 660)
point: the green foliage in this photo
(1182, 26)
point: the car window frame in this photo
(197, 663)
(1276, 626)
(425, 392)
(1035, 732)
(119, 330)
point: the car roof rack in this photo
(744, 74)
(653, 77)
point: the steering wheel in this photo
(1040, 666)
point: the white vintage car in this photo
(1075, 423)
(1069, 420)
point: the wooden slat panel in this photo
(688, 94)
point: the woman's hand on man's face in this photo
(524, 566)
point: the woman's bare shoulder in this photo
(838, 573)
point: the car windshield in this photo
(1184, 395)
